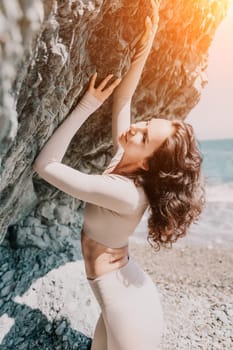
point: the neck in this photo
(125, 166)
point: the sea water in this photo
(215, 225)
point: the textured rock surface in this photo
(74, 39)
(48, 52)
(19, 21)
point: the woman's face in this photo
(141, 139)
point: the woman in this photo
(156, 164)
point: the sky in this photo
(212, 117)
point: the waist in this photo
(100, 259)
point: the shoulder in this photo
(133, 194)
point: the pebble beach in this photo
(46, 302)
(196, 289)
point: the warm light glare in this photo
(212, 117)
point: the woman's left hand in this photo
(100, 92)
(150, 28)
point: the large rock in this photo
(74, 39)
(48, 52)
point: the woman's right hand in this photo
(100, 92)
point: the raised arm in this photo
(108, 191)
(122, 96)
(55, 148)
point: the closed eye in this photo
(145, 132)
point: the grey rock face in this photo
(20, 20)
(48, 51)
(75, 39)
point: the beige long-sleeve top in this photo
(115, 204)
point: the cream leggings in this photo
(132, 316)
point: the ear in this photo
(144, 164)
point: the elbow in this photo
(36, 167)
(41, 166)
(39, 169)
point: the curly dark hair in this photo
(174, 186)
